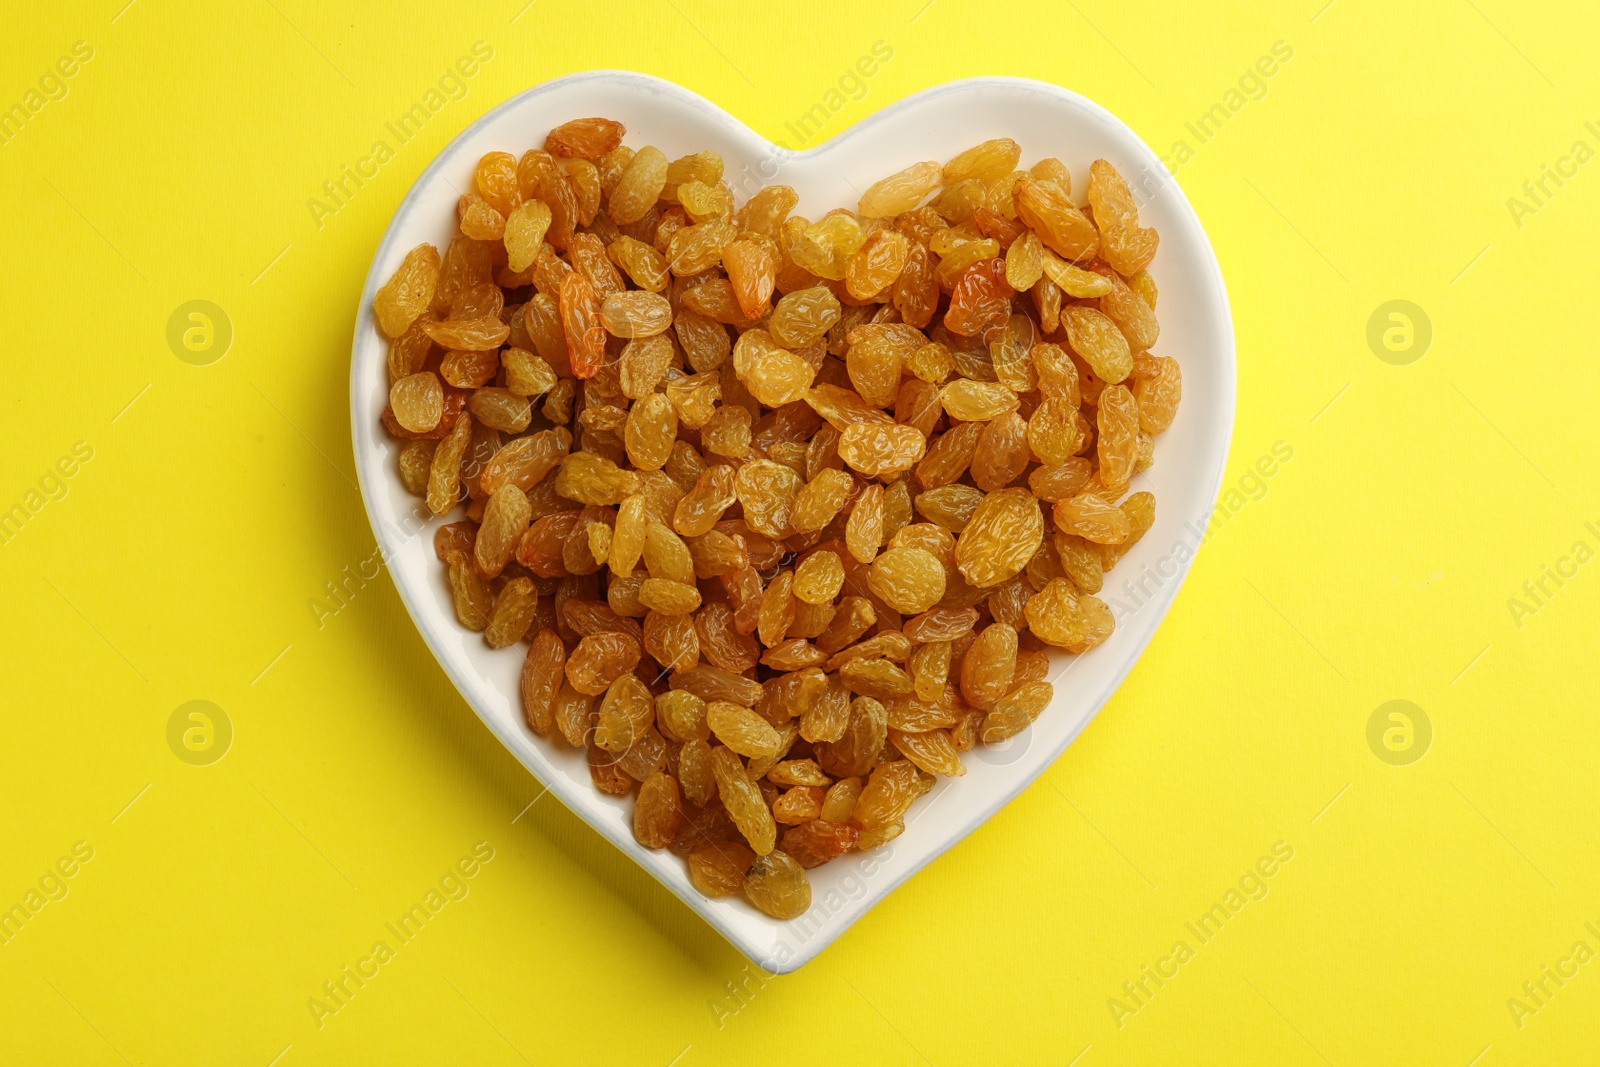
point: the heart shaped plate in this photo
(934, 124)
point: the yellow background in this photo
(1376, 567)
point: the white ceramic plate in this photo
(935, 124)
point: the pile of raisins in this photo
(765, 497)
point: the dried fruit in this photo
(932, 751)
(1158, 386)
(825, 247)
(910, 580)
(1001, 454)
(877, 450)
(819, 577)
(580, 320)
(767, 490)
(899, 192)
(668, 597)
(877, 264)
(1117, 438)
(972, 401)
(741, 729)
(752, 264)
(981, 297)
(855, 751)
(639, 187)
(600, 659)
(584, 138)
(887, 796)
(987, 667)
(543, 672)
(656, 817)
(1097, 339)
(1055, 615)
(635, 314)
(1050, 213)
(593, 479)
(1014, 712)
(773, 375)
(500, 409)
(746, 806)
(682, 716)
(802, 317)
(473, 335)
(671, 640)
(1092, 517)
(417, 401)
(764, 506)
(718, 870)
(820, 499)
(444, 479)
(988, 161)
(1004, 532)
(409, 290)
(505, 518)
(1126, 245)
(777, 884)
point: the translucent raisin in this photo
(973, 401)
(472, 334)
(1002, 452)
(584, 138)
(743, 801)
(989, 664)
(1004, 532)
(1158, 387)
(820, 500)
(444, 479)
(931, 751)
(668, 597)
(593, 479)
(1096, 338)
(819, 577)
(417, 401)
(752, 265)
(505, 517)
(718, 870)
(876, 264)
(1056, 614)
(840, 802)
(656, 817)
(816, 842)
(887, 796)
(802, 317)
(899, 192)
(1012, 713)
(764, 212)
(649, 433)
(768, 491)
(741, 729)
(635, 313)
(981, 298)
(778, 886)
(856, 750)
(600, 659)
(1117, 422)
(469, 591)
(864, 531)
(910, 580)
(409, 290)
(986, 161)
(877, 450)
(1050, 213)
